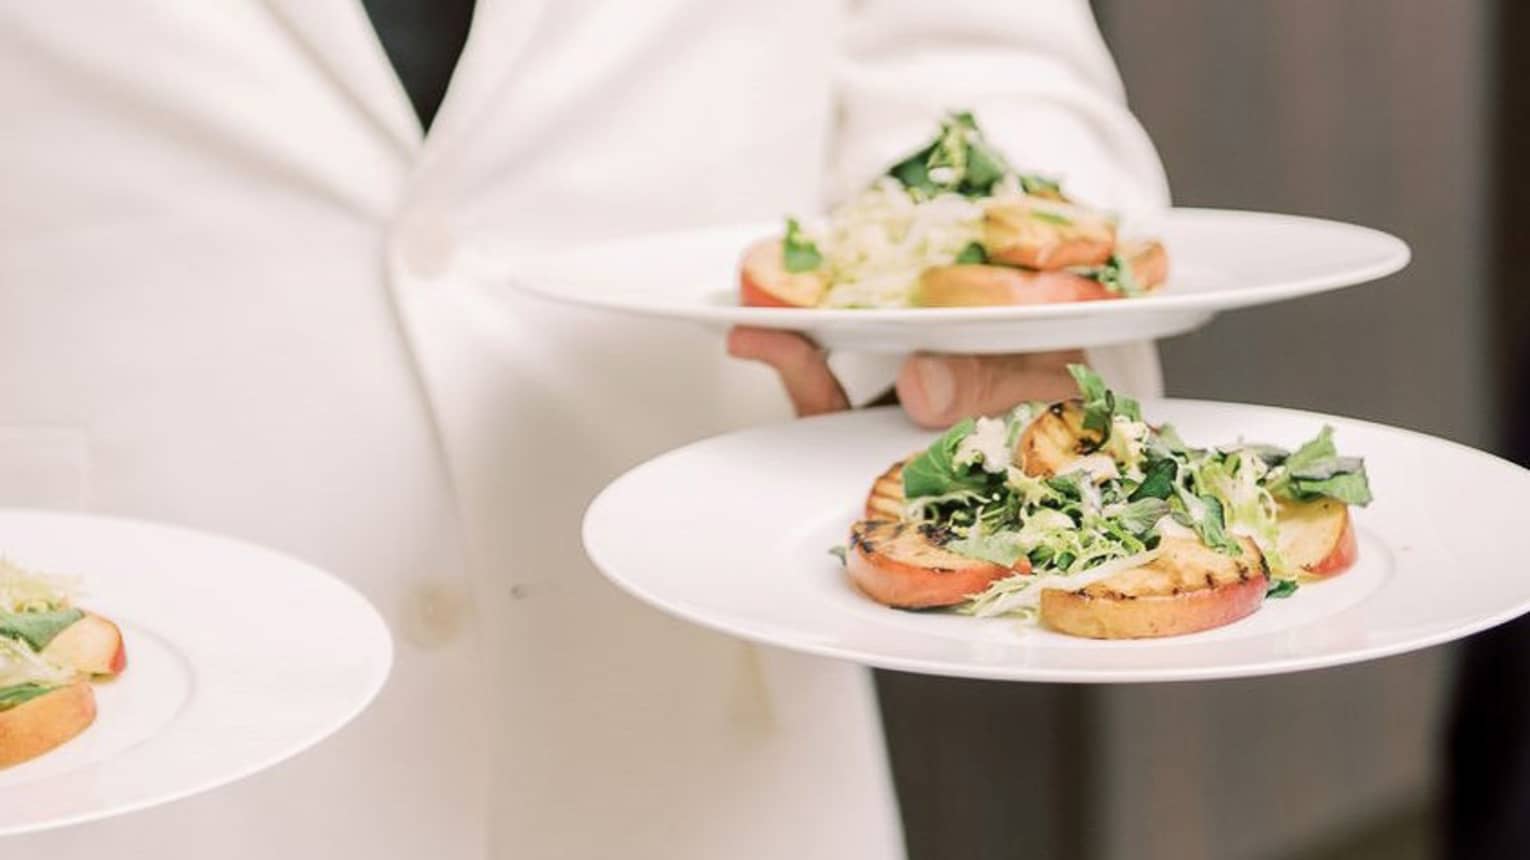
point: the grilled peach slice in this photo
(1189, 587)
(976, 285)
(765, 282)
(1318, 536)
(903, 565)
(1046, 234)
(41, 724)
(90, 646)
(885, 501)
(1054, 440)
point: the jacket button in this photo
(426, 244)
(434, 614)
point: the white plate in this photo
(734, 533)
(1219, 260)
(238, 658)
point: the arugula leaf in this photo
(20, 694)
(1165, 441)
(1313, 452)
(973, 253)
(1281, 588)
(798, 253)
(1212, 528)
(37, 628)
(985, 166)
(1067, 485)
(914, 173)
(959, 160)
(1139, 516)
(1316, 470)
(1272, 455)
(1351, 488)
(1157, 481)
(840, 552)
(935, 473)
(1117, 276)
(1327, 468)
(1099, 401)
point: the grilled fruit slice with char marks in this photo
(1187, 588)
(903, 565)
(885, 502)
(1046, 234)
(38, 725)
(1318, 536)
(765, 282)
(1055, 439)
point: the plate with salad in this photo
(141, 663)
(1094, 539)
(955, 248)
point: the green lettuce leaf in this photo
(1157, 481)
(935, 473)
(20, 694)
(798, 253)
(1139, 517)
(37, 628)
(973, 253)
(1003, 548)
(1281, 588)
(1315, 470)
(962, 159)
(1351, 488)
(1101, 405)
(1211, 526)
(1117, 276)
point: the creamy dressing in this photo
(1098, 467)
(987, 445)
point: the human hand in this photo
(935, 390)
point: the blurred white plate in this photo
(1218, 260)
(238, 658)
(734, 533)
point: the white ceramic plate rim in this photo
(1396, 257)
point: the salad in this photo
(952, 225)
(50, 652)
(1084, 516)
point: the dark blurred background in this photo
(1383, 112)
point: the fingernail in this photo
(938, 384)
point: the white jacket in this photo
(239, 290)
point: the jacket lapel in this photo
(500, 33)
(339, 37)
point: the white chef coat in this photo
(241, 291)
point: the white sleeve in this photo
(1035, 72)
(1037, 75)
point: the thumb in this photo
(939, 390)
(802, 366)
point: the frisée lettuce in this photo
(1127, 486)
